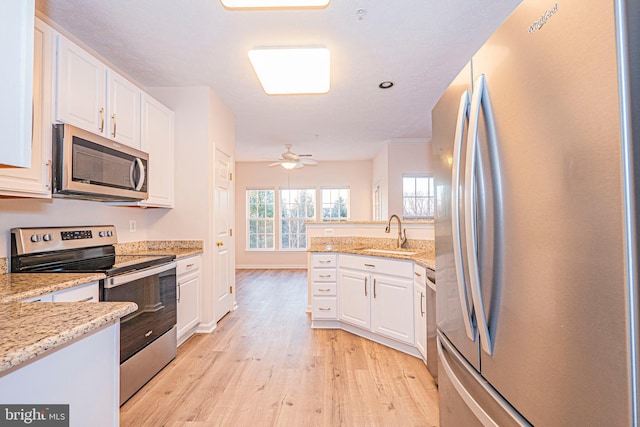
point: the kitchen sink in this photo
(390, 251)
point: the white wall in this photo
(398, 157)
(257, 175)
(65, 212)
(201, 121)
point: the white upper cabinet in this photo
(80, 87)
(36, 180)
(123, 107)
(158, 141)
(91, 96)
(16, 81)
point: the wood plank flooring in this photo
(265, 366)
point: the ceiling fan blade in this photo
(274, 164)
(305, 155)
(309, 162)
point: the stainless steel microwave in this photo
(91, 167)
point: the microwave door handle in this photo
(141, 176)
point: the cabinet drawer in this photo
(420, 274)
(188, 265)
(324, 288)
(323, 275)
(378, 265)
(88, 293)
(324, 260)
(324, 308)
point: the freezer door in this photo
(466, 399)
(555, 307)
(453, 299)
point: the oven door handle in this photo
(112, 282)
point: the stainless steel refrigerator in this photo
(537, 142)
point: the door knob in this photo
(219, 244)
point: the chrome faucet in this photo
(402, 234)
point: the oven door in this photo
(154, 291)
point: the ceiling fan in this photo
(291, 160)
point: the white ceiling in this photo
(418, 44)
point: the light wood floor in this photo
(265, 366)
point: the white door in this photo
(224, 277)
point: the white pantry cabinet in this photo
(188, 278)
(16, 81)
(91, 96)
(35, 181)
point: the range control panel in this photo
(35, 239)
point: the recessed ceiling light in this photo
(274, 4)
(385, 85)
(292, 70)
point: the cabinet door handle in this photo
(324, 275)
(370, 265)
(324, 309)
(48, 181)
(85, 299)
(189, 265)
(324, 261)
(102, 120)
(179, 286)
(421, 309)
(418, 274)
(324, 289)
(114, 125)
(374, 288)
(365, 286)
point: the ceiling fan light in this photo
(279, 4)
(289, 165)
(292, 70)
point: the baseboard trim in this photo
(271, 267)
(206, 328)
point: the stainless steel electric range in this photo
(148, 339)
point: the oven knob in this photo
(102, 234)
(47, 237)
(35, 238)
(110, 233)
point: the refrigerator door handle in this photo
(480, 96)
(463, 117)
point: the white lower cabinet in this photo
(420, 310)
(188, 295)
(84, 374)
(324, 303)
(83, 293)
(375, 295)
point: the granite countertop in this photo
(421, 257)
(29, 329)
(179, 248)
(20, 286)
(178, 252)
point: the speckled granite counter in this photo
(31, 329)
(179, 248)
(20, 286)
(421, 257)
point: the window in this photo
(260, 219)
(417, 197)
(335, 204)
(296, 207)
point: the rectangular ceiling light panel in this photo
(287, 71)
(266, 4)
